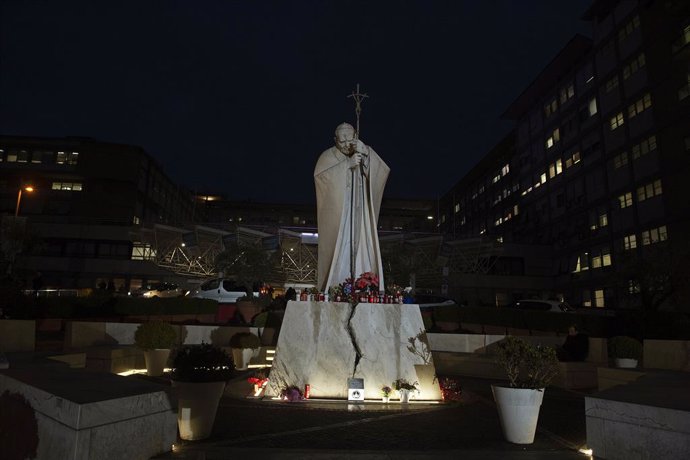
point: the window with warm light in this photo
(644, 147)
(553, 138)
(67, 186)
(616, 121)
(629, 242)
(625, 200)
(67, 158)
(654, 235)
(599, 300)
(649, 190)
(567, 93)
(639, 106)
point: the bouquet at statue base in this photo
(353, 291)
(259, 380)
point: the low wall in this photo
(667, 354)
(17, 335)
(81, 334)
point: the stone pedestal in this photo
(319, 343)
(85, 415)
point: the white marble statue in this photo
(350, 178)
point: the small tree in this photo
(246, 264)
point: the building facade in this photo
(599, 165)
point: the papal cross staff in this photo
(358, 98)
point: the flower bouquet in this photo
(386, 393)
(404, 387)
(450, 389)
(291, 393)
(259, 380)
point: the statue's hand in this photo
(360, 147)
(355, 160)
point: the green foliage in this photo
(155, 334)
(623, 346)
(404, 384)
(202, 363)
(245, 340)
(527, 366)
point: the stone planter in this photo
(197, 404)
(518, 411)
(625, 363)
(248, 310)
(156, 361)
(241, 357)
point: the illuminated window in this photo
(136, 220)
(625, 200)
(599, 298)
(67, 186)
(67, 158)
(567, 93)
(601, 258)
(635, 65)
(644, 147)
(598, 218)
(616, 121)
(620, 160)
(639, 106)
(572, 160)
(22, 156)
(505, 169)
(2, 155)
(649, 190)
(612, 84)
(654, 235)
(629, 28)
(457, 207)
(143, 251)
(550, 108)
(582, 262)
(629, 242)
(496, 178)
(553, 138)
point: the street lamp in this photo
(26, 188)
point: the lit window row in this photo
(644, 147)
(629, 28)
(39, 157)
(557, 169)
(639, 106)
(68, 186)
(649, 190)
(635, 65)
(598, 258)
(625, 200)
(629, 242)
(654, 235)
(599, 298)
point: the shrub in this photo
(155, 334)
(202, 363)
(624, 347)
(527, 366)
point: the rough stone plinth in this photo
(318, 345)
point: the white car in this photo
(221, 290)
(555, 306)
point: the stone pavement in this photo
(250, 428)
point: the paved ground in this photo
(470, 429)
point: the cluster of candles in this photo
(364, 297)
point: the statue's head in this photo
(344, 133)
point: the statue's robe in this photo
(347, 196)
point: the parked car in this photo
(555, 306)
(221, 290)
(162, 290)
(427, 301)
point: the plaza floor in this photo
(249, 428)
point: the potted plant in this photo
(529, 370)
(386, 393)
(199, 375)
(156, 338)
(243, 345)
(625, 351)
(404, 387)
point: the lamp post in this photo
(26, 188)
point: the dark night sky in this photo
(240, 97)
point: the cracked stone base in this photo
(315, 347)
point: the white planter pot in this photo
(385, 399)
(197, 404)
(156, 361)
(404, 396)
(241, 357)
(518, 411)
(626, 363)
